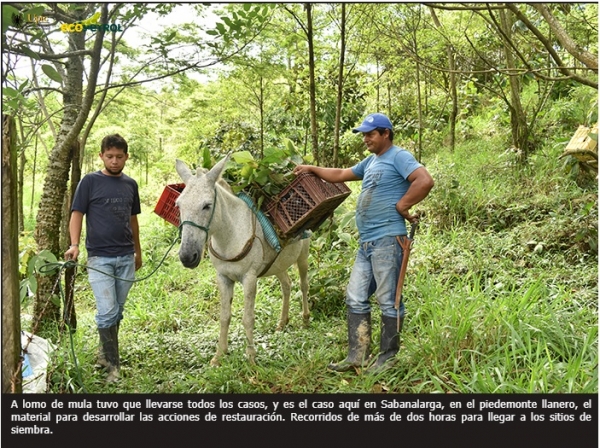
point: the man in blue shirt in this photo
(392, 182)
(110, 201)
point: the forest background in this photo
(502, 286)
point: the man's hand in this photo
(405, 212)
(72, 253)
(138, 261)
(302, 169)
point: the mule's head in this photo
(197, 203)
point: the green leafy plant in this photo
(264, 177)
(34, 263)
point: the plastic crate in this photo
(305, 204)
(166, 208)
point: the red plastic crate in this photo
(166, 208)
(305, 204)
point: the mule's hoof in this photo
(306, 321)
(113, 374)
(215, 362)
(281, 326)
(251, 356)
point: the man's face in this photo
(114, 160)
(376, 142)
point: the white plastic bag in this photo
(36, 355)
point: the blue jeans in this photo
(110, 293)
(376, 271)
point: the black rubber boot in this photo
(389, 344)
(110, 350)
(359, 343)
(101, 361)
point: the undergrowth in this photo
(501, 297)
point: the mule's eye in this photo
(206, 207)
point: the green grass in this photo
(501, 297)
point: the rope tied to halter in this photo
(193, 224)
(206, 228)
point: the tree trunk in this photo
(418, 80)
(454, 96)
(11, 306)
(35, 147)
(340, 88)
(261, 108)
(452, 87)
(50, 212)
(20, 182)
(69, 315)
(589, 59)
(518, 120)
(419, 108)
(378, 84)
(76, 110)
(313, 95)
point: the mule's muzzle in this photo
(190, 259)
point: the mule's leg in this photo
(249, 285)
(303, 271)
(226, 291)
(286, 286)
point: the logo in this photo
(18, 20)
(90, 24)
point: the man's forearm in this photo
(333, 175)
(75, 224)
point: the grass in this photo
(501, 297)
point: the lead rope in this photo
(61, 266)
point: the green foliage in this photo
(499, 300)
(526, 198)
(242, 22)
(263, 177)
(30, 265)
(502, 287)
(51, 73)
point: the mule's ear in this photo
(216, 170)
(182, 169)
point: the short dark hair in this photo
(382, 130)
(113, 141)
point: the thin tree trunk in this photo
(377, 92)
(418, 79)
(340, 88)
(419, 108)
(518, 120)
(261, 109)
(389, 98)
(35, 147)
(452, 81)
(20, 183)
(454, 97)
(11, 307)
(69, 314)
(314, 131)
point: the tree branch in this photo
(466, 7)
(549, 48)
(584, 56)
(50, 57)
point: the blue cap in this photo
(374, 121)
